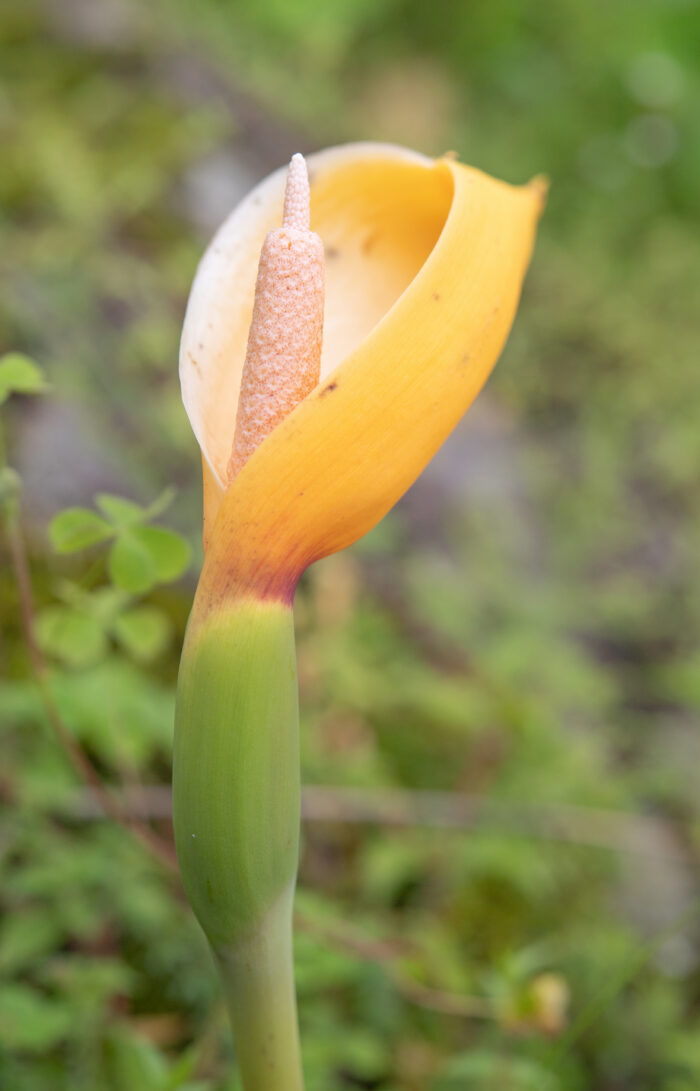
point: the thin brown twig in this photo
(350, 940)
(459, 1005)
(398, 808)
(589, 827)
(387, 952)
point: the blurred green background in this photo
(520, 635)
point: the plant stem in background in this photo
(71, 748)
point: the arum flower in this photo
(305, 447)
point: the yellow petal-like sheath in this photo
(448, 247)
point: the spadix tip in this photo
(296, 195)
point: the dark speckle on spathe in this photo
(370, 242)
(436, 296)
(328, 389)
(332, 252)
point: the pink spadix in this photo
(283, 357)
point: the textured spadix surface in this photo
(424, 265)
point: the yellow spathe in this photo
(425, 261)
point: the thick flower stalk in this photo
(312, 424)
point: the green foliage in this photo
(487, 1072)
(19, 375)
(534, 644)
(140, 556)
(78, 631)
(144, 556)
(77, 528)
(143, 631)
(72, 636)
(30, 1022)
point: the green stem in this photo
(236, 808)
(258, 978)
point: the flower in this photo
(424, 264)
(425, 261)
